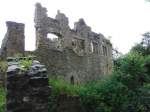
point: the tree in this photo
(138, 48)
(146, 39)
(143, 47)
(147, 0)
(116, 53)
(146, 43)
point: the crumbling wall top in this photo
(14, 25)
(81, 38)
(81, 28)
(13, 41)
(40, 13)
(61, 17)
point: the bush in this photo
(26, 64)
(106, 95)
(127, 89)
(98, 96)
(62, 87)
(2, 100)
(3, 68)
(147, 65)
(133, 70)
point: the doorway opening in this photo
(72, 80)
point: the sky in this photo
(122, 20)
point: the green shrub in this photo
(62, 87)
(147, 65)
(126, 89)
(106, 95)
(133, 71)
(2, 100)
(26, 64)
(3, 68)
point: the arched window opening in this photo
(104, 51)
(94, 47)
(53, 37)
(91, 44)
(72, 80)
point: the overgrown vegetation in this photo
(26, 64)
(2, 100)
(60, 86)
(3, 68)
(126, 90)
(3, 65)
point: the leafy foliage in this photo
(144, 46)
(3, 68)
(2, 100)
(138, 48)
(3, 65)
(105, 95)
(146, 39)
(60, 86)
(133, 70)
(126, 89)
(26, 64)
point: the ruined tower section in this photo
(40, 14)
(45, 25)
(14, 40)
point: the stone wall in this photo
(79, 54)
(27, 89)
(67, 65)
(14, 40)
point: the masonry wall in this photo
(27, 90)
(14, 40)
(78, 55)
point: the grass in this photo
(60, 86)
(2, 100)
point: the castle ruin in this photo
(77, 55)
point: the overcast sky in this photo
(123, 20)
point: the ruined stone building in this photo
(77, 55)
(14, 40)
